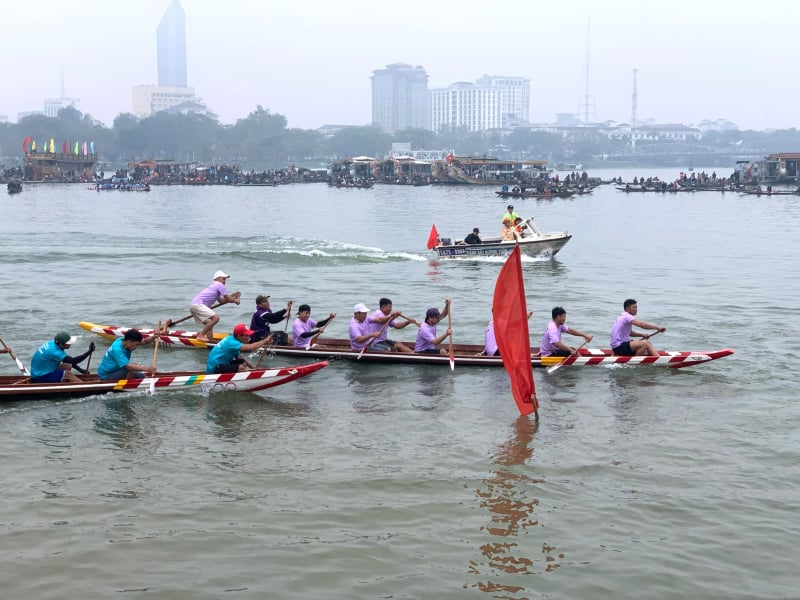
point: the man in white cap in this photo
(50, 364)
(360, 335)
(201, 305)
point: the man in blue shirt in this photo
(116, 363)
(225, 356)
(50, 363)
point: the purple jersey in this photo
(551, 336)
(210, 295)
(357, 329)
(373, 326)
(491, 340)
(299, 327)
(621, 331)
(425, 337)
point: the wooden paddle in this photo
(372, 341)
(555, 368)
(156, 341)
(449, 326)
(170, 322)
(16, 360)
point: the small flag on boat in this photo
(25, 143)
(91, 147)
(85, 148)
(52, 146)
(64, 147)
(433, 238)
(76, 148)
(510, 314)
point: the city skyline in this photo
(315, 67)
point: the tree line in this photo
(263, 140)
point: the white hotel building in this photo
(490, 103)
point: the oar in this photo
(156, 340)
(555, 368)
(649, 335)
(18, 361)
(409, 320)
(372, 341)
(319, 333)
(449, 326)
(170, 322)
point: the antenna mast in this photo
(587, 105)
(634, 103)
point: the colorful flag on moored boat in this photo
(52, 146)
(85, 148)
(91, 147)
(25, 143)
(510, 315)
(76, 148)
(64, 147)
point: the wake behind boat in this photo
(14, 388)
(466, 355)
(532, 242)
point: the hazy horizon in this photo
(312, 61)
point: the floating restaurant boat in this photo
(14, 388)
(532, 242)
(465, 355)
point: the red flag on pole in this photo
(510, 314)
(25, 143)
(433, 238)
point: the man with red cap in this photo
(226, 357)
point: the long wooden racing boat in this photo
(13, 388)
(468, 355)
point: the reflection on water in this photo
(506, 495)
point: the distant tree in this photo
(420, 139)
(358, 141)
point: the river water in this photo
(368, 481)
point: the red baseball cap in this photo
(241, 329)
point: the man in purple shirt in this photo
(305, 328)
(381, 320)
(200, 306)
(621, 333)
(551, 340)
(358, 330)
(427, 340)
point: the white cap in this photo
(219, 274)
(360, 307)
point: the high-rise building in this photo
(516, 100)
(400, 97)
(171, 91)
(171, 38)
(489, 103)
(467, 105)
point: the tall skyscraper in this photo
(400, 97)
(171, 37)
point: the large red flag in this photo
(433, 238)
(510, 315)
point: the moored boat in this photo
(15, 388)
(532, 242)
(467, 355)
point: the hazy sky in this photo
(311, 60)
